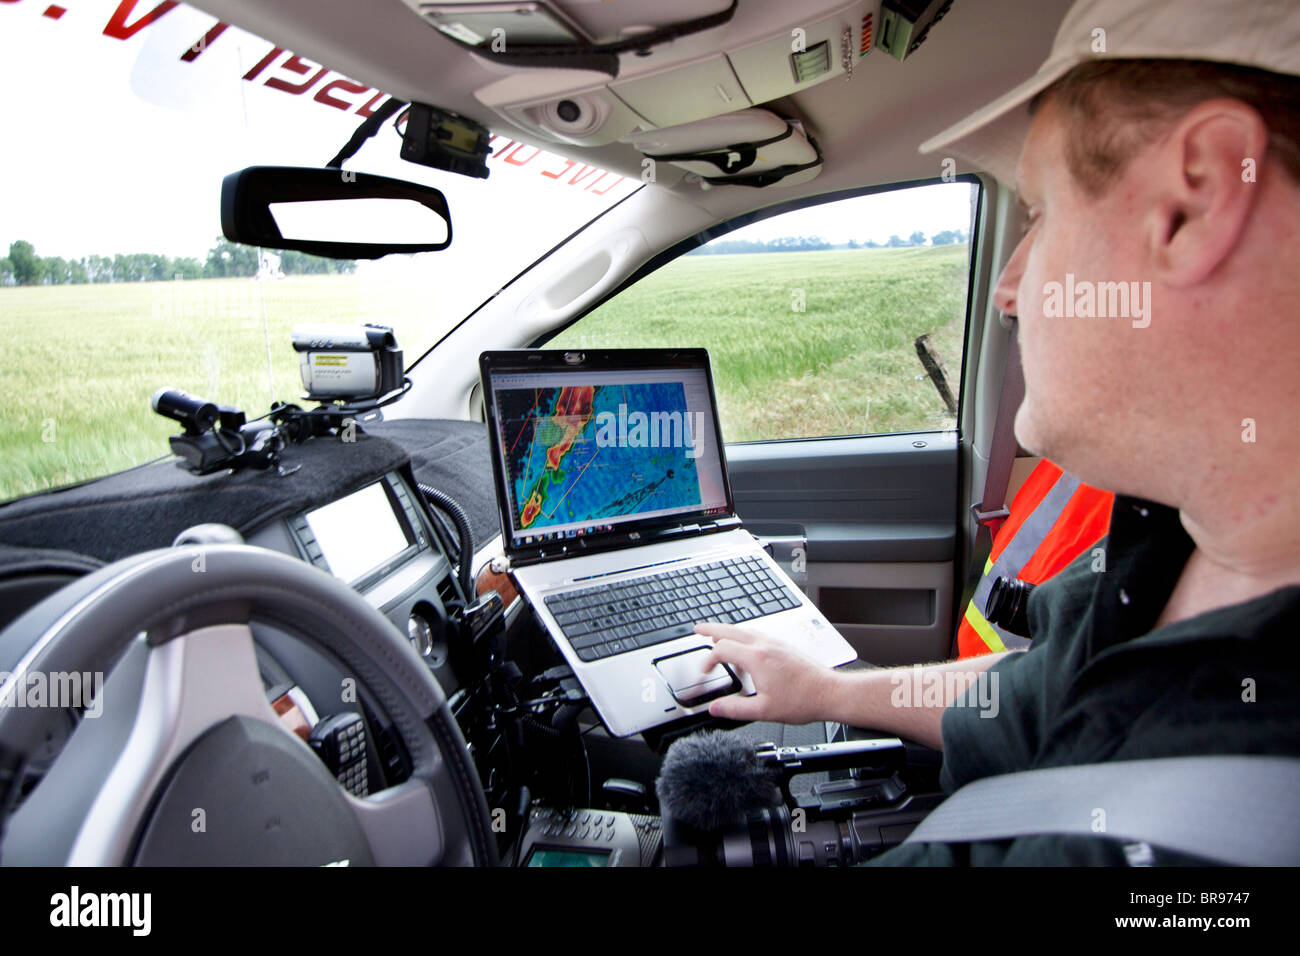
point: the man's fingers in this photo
(730, 631)
(737, 707)
(733, 639)
(728, 651)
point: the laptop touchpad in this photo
(689, 684)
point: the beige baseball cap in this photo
(1264, 34)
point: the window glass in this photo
(812, 318)
(114, 278)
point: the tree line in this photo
(224, 260)
(811, 243)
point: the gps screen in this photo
(358, 533)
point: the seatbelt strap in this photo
(1235, 809)
(993, 510)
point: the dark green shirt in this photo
(1099, 684)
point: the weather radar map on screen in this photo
(589, 454)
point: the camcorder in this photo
(727, 803)
(347, 363)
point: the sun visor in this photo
(752, 147)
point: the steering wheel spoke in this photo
(401, 824)
(191, 683)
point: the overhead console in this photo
(691, 61)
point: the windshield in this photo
(114, 278)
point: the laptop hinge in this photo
(570, 549)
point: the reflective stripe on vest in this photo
(1014, 556)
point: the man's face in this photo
(1083, 375)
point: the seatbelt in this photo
(1235, 809)
(993, 510)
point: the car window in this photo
(114, 281)
(812, 317)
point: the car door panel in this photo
(878, 518)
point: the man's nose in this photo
(1004, 295)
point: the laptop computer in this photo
(618, 519)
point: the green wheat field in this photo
(802, 344)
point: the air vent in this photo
(391, 756)
(447, 591)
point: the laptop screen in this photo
(591, 450)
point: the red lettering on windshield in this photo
(601, 192)
(510, 156)
(295, 64)
(367, 109)
(118, 27)
(568, 165)
(205, 41)
(346, 86)
(263, 63)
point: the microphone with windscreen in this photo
(713, 794)
(721, 801)
(712, 779)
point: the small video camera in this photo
(347, 363)
(444, 140)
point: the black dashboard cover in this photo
(147, 507)
(20, 562)
(453, 457)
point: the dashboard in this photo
(380, 541)
(352, 510)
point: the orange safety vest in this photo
(1054, 518)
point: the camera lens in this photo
(1008, 605)
(196, 414)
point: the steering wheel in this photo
(188, 763)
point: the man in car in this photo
(1162, 152)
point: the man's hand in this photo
(792, 688)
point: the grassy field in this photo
(845, 365)
(84, 360)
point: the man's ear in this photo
(1205, 198)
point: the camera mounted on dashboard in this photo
(350, 370)
(347, 363)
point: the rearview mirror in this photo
(332, 212)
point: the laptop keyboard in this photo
(611, 619)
